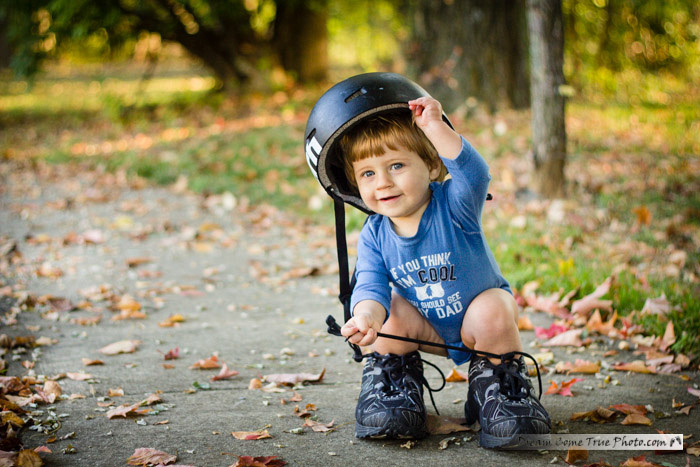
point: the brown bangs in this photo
(392, 131)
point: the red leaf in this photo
(564, 389)
(554, 329)
(225, 373)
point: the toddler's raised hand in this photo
(425, 111)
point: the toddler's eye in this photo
(367, 174)
(396, 165)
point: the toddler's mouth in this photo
(389, 198)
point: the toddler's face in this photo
(396, 185)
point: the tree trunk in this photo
(470, 48)
(301, 38)
(547, 76)
(5, 51)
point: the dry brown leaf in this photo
(150, 456)
(254, 384)
(593, 300)
(659, 306)
(92, 361)
(318, 426)
(456, 376)
(206, 364)
(79, 376)
(125, 346)
(251, 435)
(525, 324)
(669, 337)
(599, 415)
(573, 455)
(636, 366)
(172, 320)
(566, 338)
(636, 419)
(28, 458)
(119, 392)
(579, 366)
(441, 425)
(290, 379)
(596, 324)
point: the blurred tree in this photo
(470, 48)
(231, 37)
(546, 33)
(301, 38)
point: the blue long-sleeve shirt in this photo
(442, 268)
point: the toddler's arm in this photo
(428, 116)
(367, 320)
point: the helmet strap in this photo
(345, 283)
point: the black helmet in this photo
(340, 108)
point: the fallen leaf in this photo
(150, 456)
(564, 389)
(599, 415)
(254, 384)
(134, 262)
(251, 435)
(669, 337)
(119, 392)
(636, 419)
(553, 330)
(457, 376)
(573, 455)
(524, 324)
(28, 458)
(125, 346)
(441, 425)
(206, 364)
(693, 391)
(579, 366)
(694, 449)
(318, 426)
(290, 379)
(659, 306)
(628, 409)
(122, 411)
(92, 361)
(225, 373)
(79, 376)
(639, 461)
(643, 215)
(261, 461)
(592, 301)
(636, 366)
(568, 338)
(172, 354)
(172, 320)
(596, 324)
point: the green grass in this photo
(622, 156)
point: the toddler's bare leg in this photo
(404, 320)
(491, 323)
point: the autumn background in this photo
(213, 96)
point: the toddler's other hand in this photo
(361, 329)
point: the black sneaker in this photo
(500, 398)
(391, 399)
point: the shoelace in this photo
(399, 361)
(334, 329)
(512, 380)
